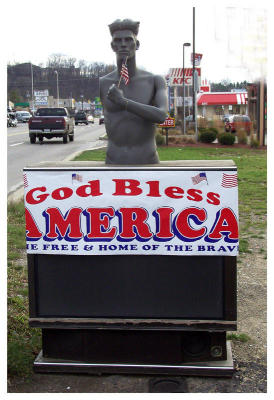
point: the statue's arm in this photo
(156, 113)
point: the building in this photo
(212, 105)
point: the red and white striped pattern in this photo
(25, 180)
(229, 181)
(178, 72)
(241, 98)
(124, 74)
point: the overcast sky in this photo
(231, 35)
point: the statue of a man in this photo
(131, 108)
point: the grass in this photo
(24, 342)
(238, 337)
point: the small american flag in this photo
(229, 181)
(77, 177)
(124, 74)
(25, 180)
(199, 178)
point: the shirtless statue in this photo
(132, 109)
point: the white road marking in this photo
(17, 133)
(16, 144)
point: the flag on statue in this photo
(124, 74)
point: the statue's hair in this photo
(125, 24)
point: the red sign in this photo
(169, 123)
(176, 76)
(205, 88)
(198, 57)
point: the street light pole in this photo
(56, 72)
(31, 71)
(184, 45)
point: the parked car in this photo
(90, 119)
(101, 120)
(51, 122)
(225, 117)
(22, 116)
(236, 122)
(81, 118)
(11, 120)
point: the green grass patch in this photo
(23, 342)
(238, 337)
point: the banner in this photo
(198, 58)
(147, 211)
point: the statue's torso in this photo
(130, 137)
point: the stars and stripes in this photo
(77, 178)
(124, 74)
(199, 178)
(229, 180)
(25, 180)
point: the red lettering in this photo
(153, 189)
(62, 193)
(93, 189)
(171, 192)
(127, 187)
(98, 223)
(133, 224)
(182, 225)
(68, 226)
(32, 231)
(163, 223)
(194, 195)
(225, 225)
(40, 198)
(213, 198)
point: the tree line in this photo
(75, 78)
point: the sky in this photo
(231, 35)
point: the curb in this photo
(17, 192)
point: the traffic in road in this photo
(21, 152)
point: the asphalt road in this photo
(21, 153)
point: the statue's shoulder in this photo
(158, 79)
(109, 78)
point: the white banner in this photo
(166, 212)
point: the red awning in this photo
(212, 99)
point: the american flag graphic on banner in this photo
(229, 181)
(77, 177)
(25, 180)
(124, 74)
(199, 178)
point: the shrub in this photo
(226, 138)
(242, 137)
(207, 136)
(202, 129)
(160, 139)
(254, 142)
(190, 140)
(214, 130)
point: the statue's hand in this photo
(116, 95)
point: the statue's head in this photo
(124, 37)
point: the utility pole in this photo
(57, 88)
(31, 71)
(184, 121)
(193, 80)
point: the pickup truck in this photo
(51, 122)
